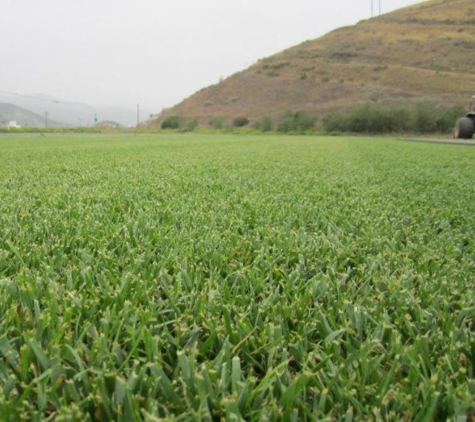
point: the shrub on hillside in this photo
(264, 124)
(424, 119)
(287, 123)
(296, 122)
(240, 121)
(171, 122)
(370, 118)
(217, 122)
(446, 118)
(189, 126)
(176, 122)
(429, 119)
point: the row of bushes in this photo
(290, 122)
(176, 122)
(366, 118)
(372, 119)
(220, 122)
(184, 125)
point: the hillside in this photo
(420, 54)
(10, 112)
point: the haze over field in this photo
(120, 53)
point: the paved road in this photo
(440, 141)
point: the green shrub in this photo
(296, 122)
(370, 118)
(217, 122)
(367, 118)
(441, 120)
(335, 121)
(189, 126)
(447, 117)
(180, 124)
(304, 122)
(264, 124)
(424, 119)
(171, 122)
(287, 123)
(240, 121)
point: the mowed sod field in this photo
(235, 278)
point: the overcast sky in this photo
(154, 52)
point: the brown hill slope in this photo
(420, 54)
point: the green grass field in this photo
(236, 278)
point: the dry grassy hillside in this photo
(420, 54)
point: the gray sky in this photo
(154, 52)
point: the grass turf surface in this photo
(244, 278)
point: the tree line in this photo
(361, 119)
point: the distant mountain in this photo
(419, 54)
(12, 113)
(72, 113)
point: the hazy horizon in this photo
(154, 53)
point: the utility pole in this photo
(138, 115)
(46, 119)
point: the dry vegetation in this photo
(420, 54)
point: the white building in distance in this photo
(13, 123)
